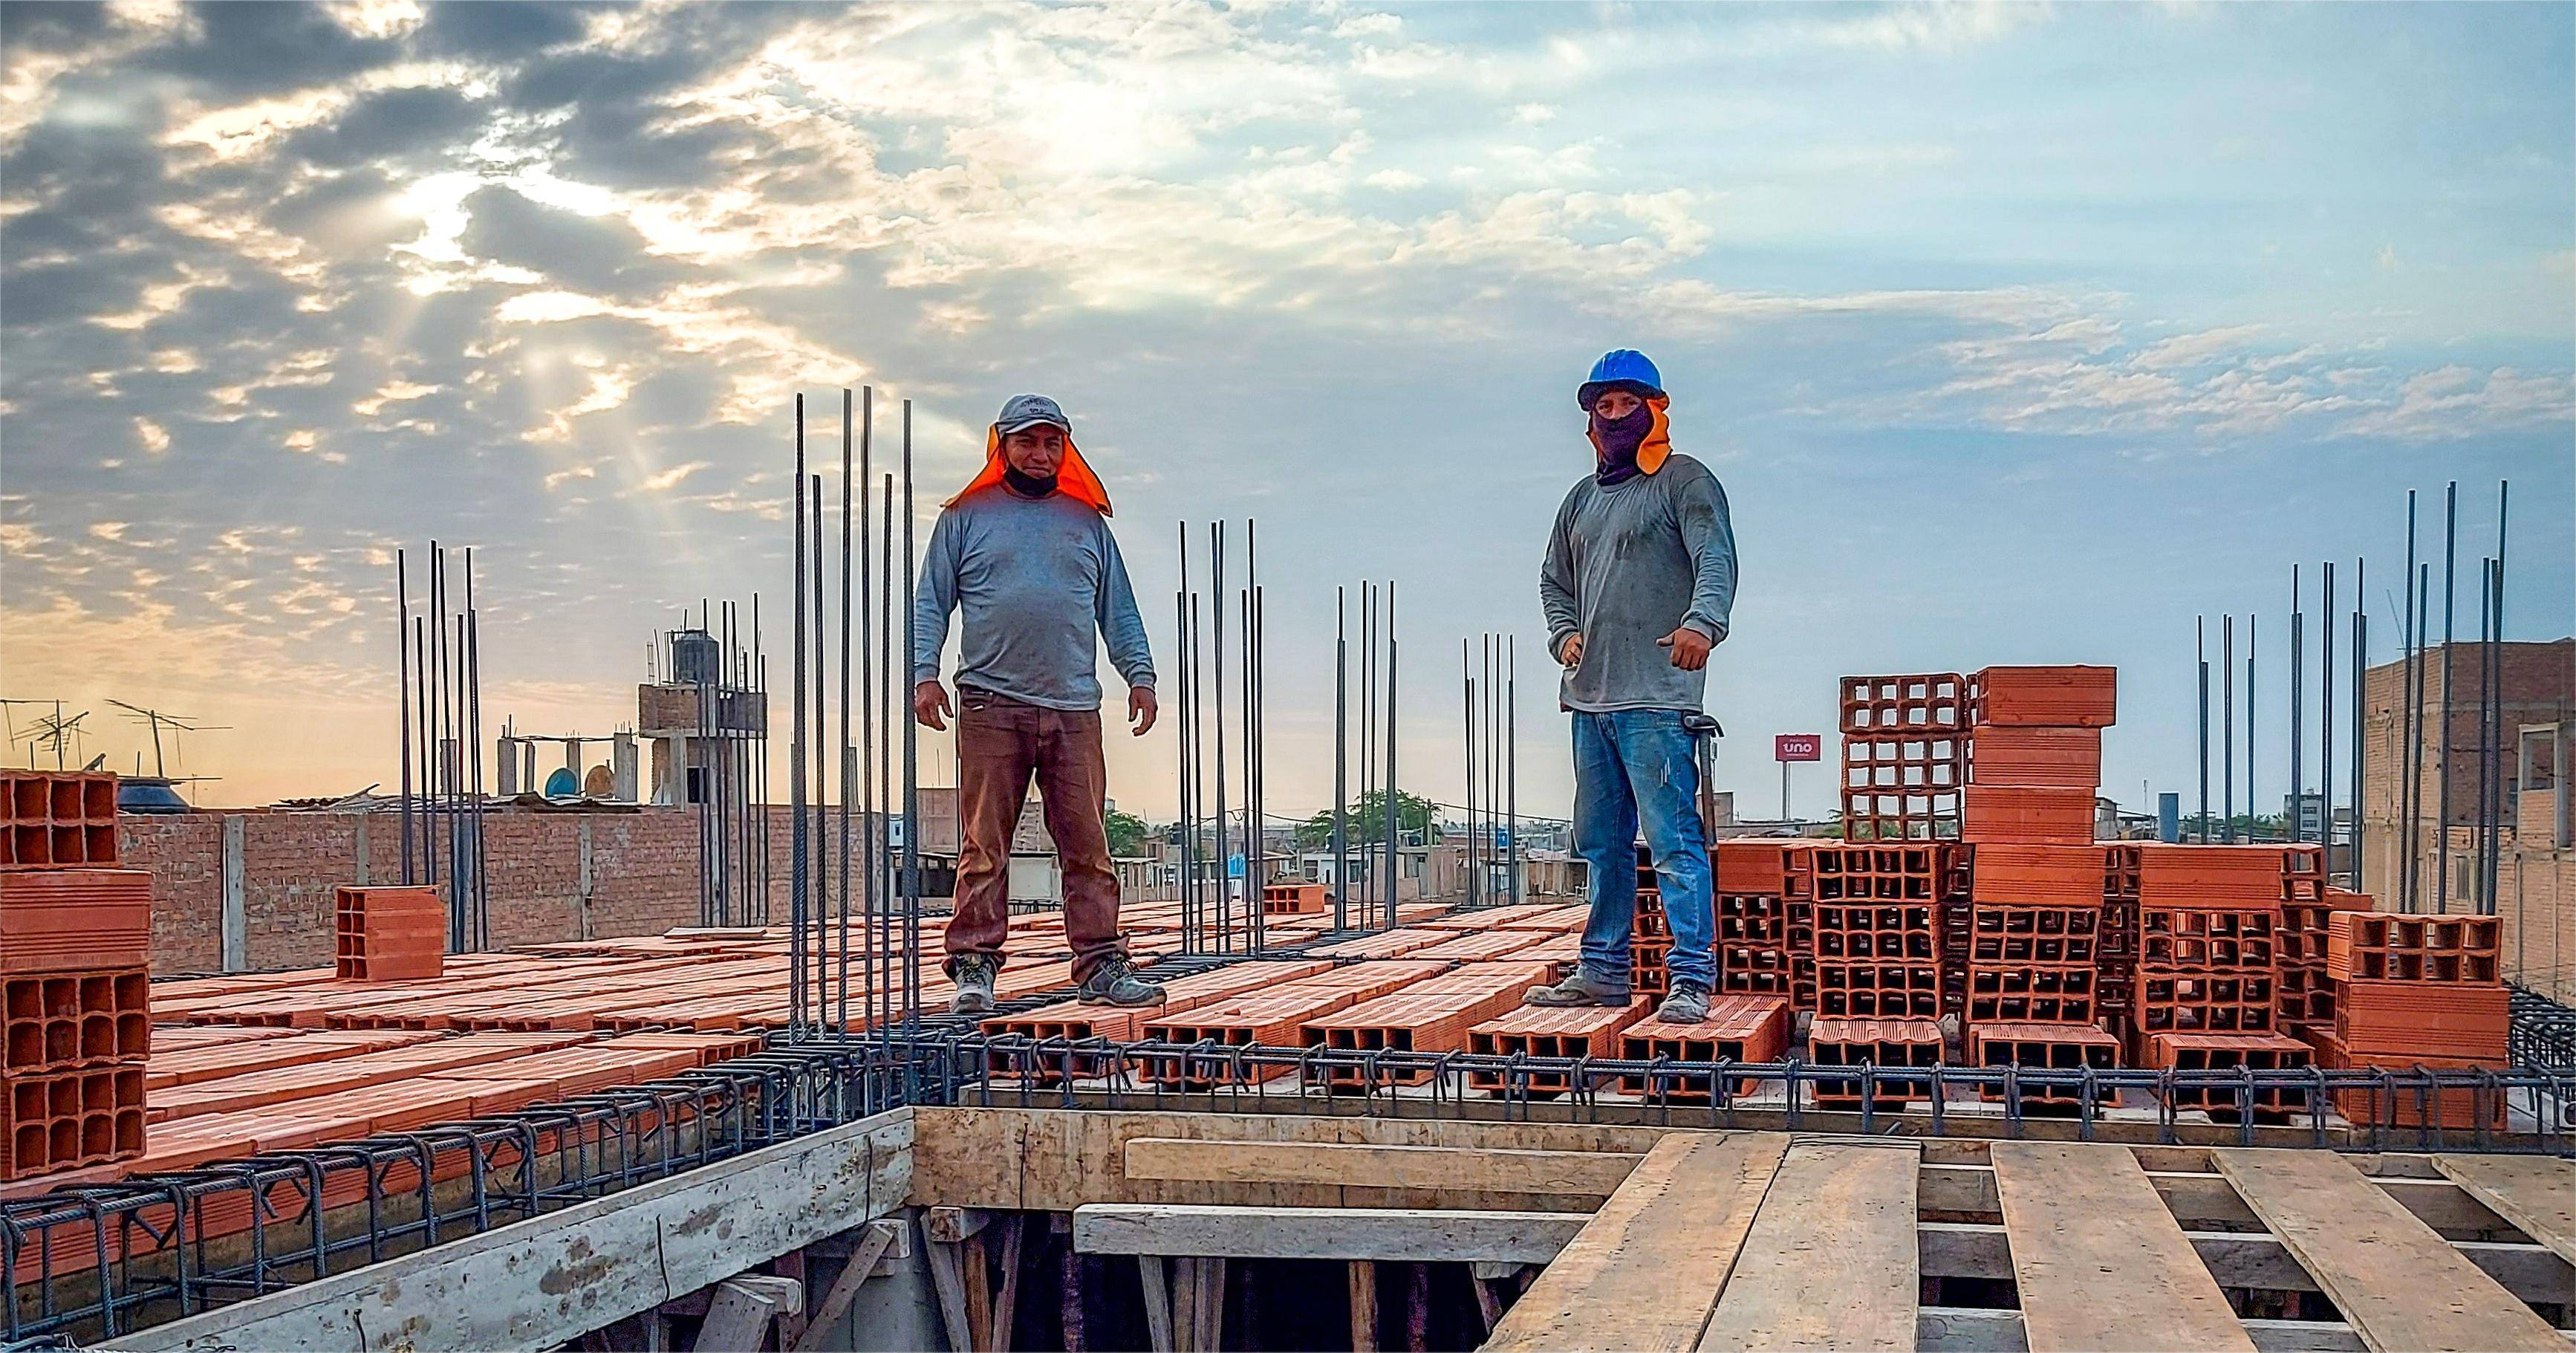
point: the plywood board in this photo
(1832, 1261)
(2401, 1286)
(2536, 1193)
(1645, 1270)
(1595, 1173)
(2099, 1261)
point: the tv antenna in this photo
(158, 720)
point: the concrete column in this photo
(622, 769)
(235, 941)
(362, 849)
(505, 763)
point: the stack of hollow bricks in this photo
(2414, 991)
(2037, 884)
(75, 984)
(2209, 959)
(389, 934)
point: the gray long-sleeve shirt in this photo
(1035, 580)
(1625, 566)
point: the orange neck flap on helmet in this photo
(1073, 479)
(1658, 443)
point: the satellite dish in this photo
(599, 784)
(561, 785)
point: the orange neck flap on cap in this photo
(1658, 443)
(1073, 479)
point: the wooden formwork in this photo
(1645, 1237)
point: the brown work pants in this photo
(1000, 743)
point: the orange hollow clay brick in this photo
(2063, 695)
(75, 920)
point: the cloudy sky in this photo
(2016, 333)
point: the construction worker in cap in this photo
(1637, 585)
(1025, 553)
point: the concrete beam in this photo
(543, 1282)
(1406, 1234)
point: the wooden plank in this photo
(1363, 1306)
(1191, 1230)
(1158, 1302)
(545, 1281)
(1643, 1273)
(2242, 1259)
(862, 1265)
(2536, 1193)
(2401, 1286)
(1832, 1260)
(2099, 1262)
(1358, 1164)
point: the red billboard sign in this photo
(1798, 747)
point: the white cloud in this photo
(2457, 402)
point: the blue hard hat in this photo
(1626, 368)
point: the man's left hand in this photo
(1689, 646)
(1141, 708)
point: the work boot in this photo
(1115, 982)
(1581, 987)
(1688, 1004)
(974, 974)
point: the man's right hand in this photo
(1571, 652)
(929, 701)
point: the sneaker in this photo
(1580, 988)
(974, 974)
(1115, 982)
(1688, 1004)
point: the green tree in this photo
(1126, 833)
(1414, 819)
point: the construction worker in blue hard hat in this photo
(1637, 585)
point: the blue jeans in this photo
(1629, 764)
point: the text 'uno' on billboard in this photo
(1798, 747)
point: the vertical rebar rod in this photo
(1253, 872)
(420, 731)
(2409, 706)
(759, 914)
(2485, 809)
(898, 714)
(2442, 743)
(2252, 812)
(441, 823)
(2495, 851)
(797, 844)
(1394, 837)
(873, 685)
(402, 687)
(2298, 715)
(1467, 719)
(1185, 660)
(911, 762)
(841, 764)
(1512, 764)
(2325, 713)
(482, 895)
(1205, 932)
(2227, 728)
(1341, 757)
(698, 797)
(2415, 774)
(2200, 648)
(820, 948)
(2360, 708)
(1224, 852)
(1368, 743)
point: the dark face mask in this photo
(1030, 486)
(1617, 439)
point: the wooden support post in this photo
(1417, 1309)
(979, 1292)
(1006, 1302)
(879, 1236)
(739, 1314)
(947, 1279)
(1364, 1306)
(1185, 1302)
(1076, 1327)
(1158, 1302)
(1489, 1308)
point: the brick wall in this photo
(643, 877)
